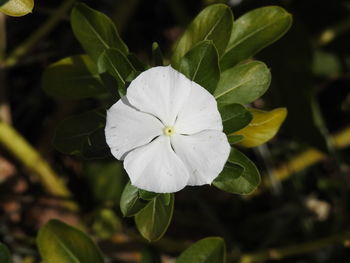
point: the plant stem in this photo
(279, 253)
(30, 42)
(32, 160)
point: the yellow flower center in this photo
(168, 131)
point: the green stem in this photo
(30, 42)
(280, 253)
(32, 160)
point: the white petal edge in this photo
(198, 113)
(204, 154)
(126, 128)
(159, 91)
(156, 168)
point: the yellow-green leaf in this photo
(263, 127)
(17, 7)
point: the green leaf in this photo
(4, 254)
(157, 55)
(106, 180)
(73, 77)
(137, 64)
(201, 65)
(153, 220)
(243, 83)
(95, 31)
(16, 7)
(83, 135)
(130, 201)
(106, 223)
(235, 180)
(254, 31)
(115, 63)
(234, 117)
(234, 138)
(213, 23)
(146, 195)
(207, 250)
(61, 243)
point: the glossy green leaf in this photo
(146, 195)
(73, 77)
(130, 201)
(61, 243)
(234, 117)
(153, 220)
(207, 250)
(106, 223)
(83, 135)
(95, 31)
(4, 254)
(253, 31)
(106, 180)
(116, 63)
(213, 23)
(243, 83)
(234, 179)
(16, 7)
(157, 55)
(201, 65)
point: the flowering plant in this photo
(174, 122)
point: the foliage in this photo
(209, 41)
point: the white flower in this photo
(168, 131)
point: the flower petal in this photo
(161, 92)
(198, 113)
(204, 154)
(156, 168)
(127, 128)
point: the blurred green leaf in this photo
(234, 179)
(150, 255)
(326, 64)
(137, 64)
(83, 135)
(106, 180)
(95, 31)
(207, 250)
(213, 23)
(115, 63)
(4, 254)
(61, 243)
(106, 224)
(157, 55)
(201, 65)
(153, 220)
(16, 7)
(234, 117)
(243, 83)
(145, 195)
(130, 201)
(73, 77)
(253, 31)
